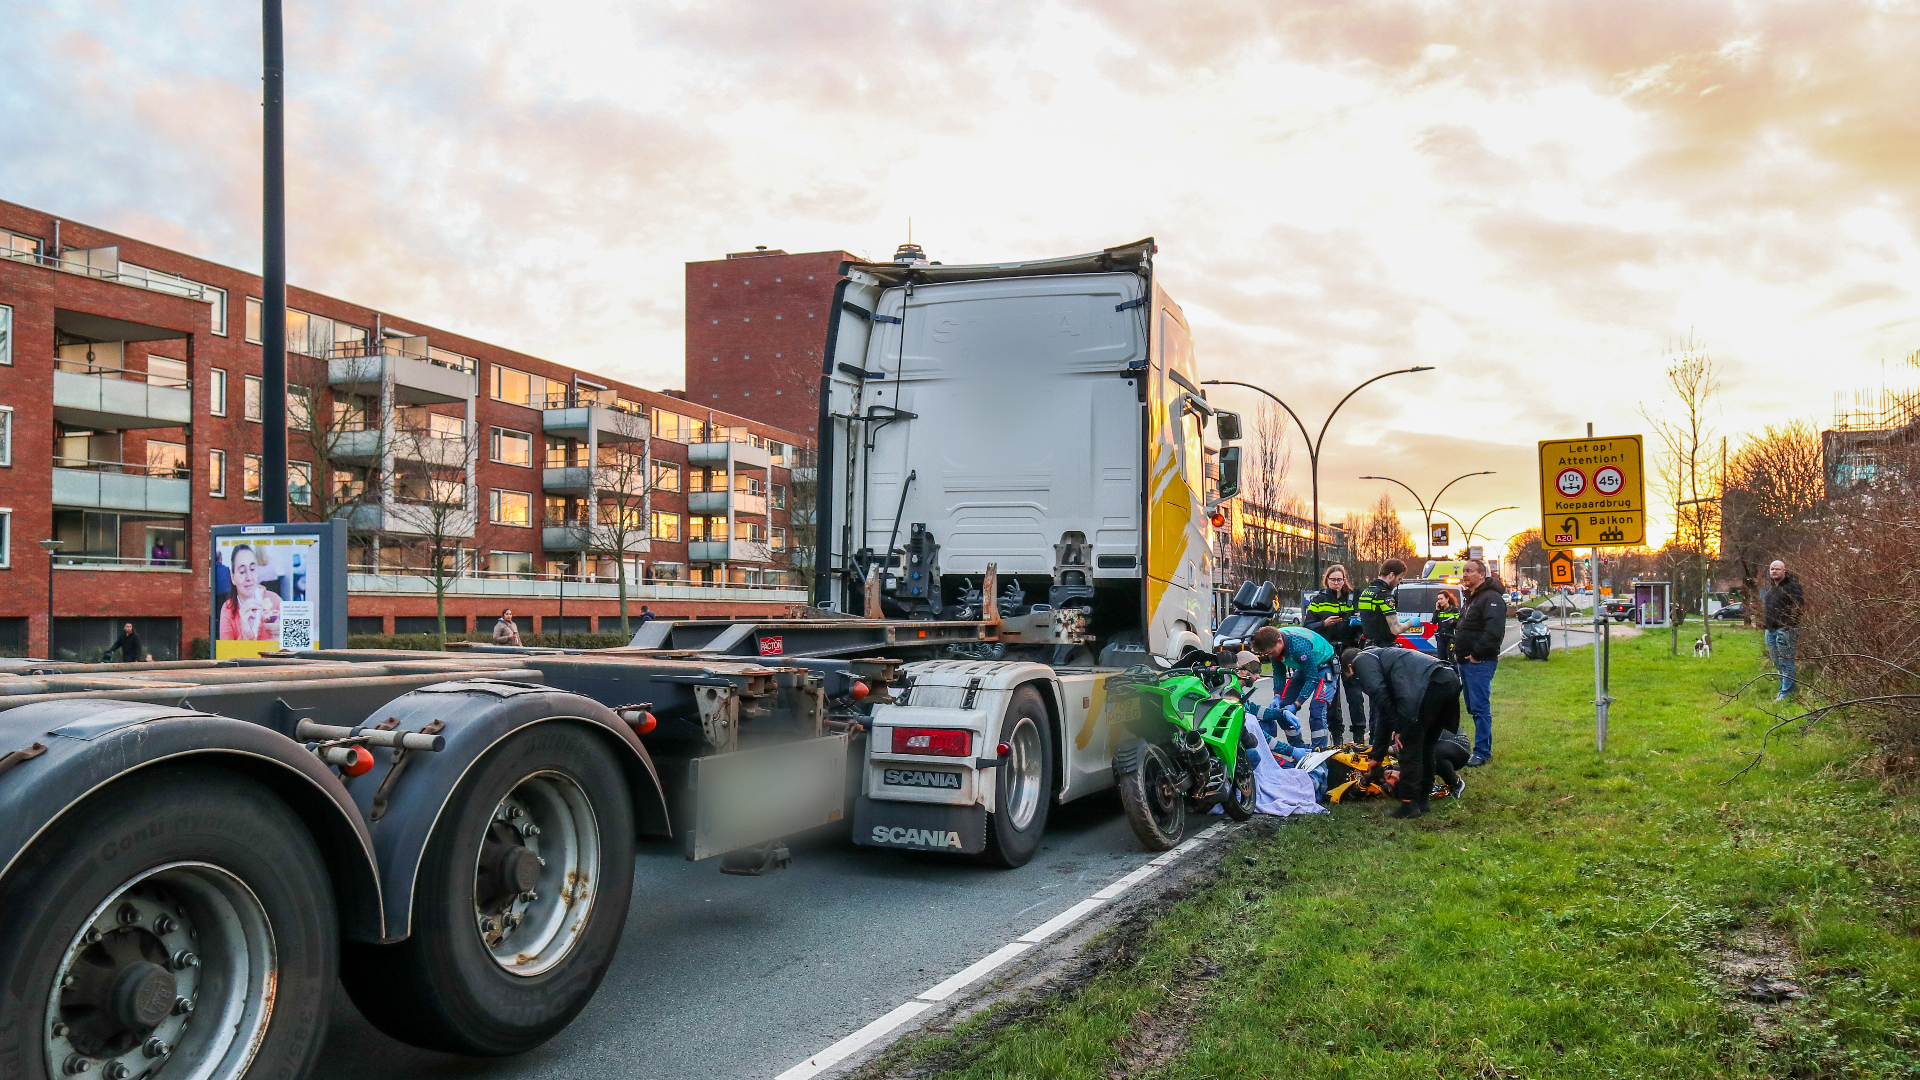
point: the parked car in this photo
(1731, 611)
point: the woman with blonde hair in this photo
(1332, 613)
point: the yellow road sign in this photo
(1559, 569)
(1593, 492)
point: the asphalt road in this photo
(744, 977)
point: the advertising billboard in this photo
(278, 587)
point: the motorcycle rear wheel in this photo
(1156, 807)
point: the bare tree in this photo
(1261, 548)
(1379, 535)
(1775, 492)
(430, 498)
(624, 476)
(1689, 470)
(1527, 555)
(342, 437)
(803, 503)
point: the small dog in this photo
(1702, 648)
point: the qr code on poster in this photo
(296, 626)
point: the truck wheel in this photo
(1242, 796)
(1155, 806)
(1022, 783)
(519, 904)
(180, 923)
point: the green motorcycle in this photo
(1187, 746)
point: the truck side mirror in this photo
(1229, 468)
(1229, 426)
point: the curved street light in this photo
(1476, 521)
(1313, 443)
(1427, 508)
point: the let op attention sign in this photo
(1593, 493)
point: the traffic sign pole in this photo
(1600, 698)
(1593, 493)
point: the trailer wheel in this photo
(519, 904)
(1155, 807)
(181, 923)
(1022, 782)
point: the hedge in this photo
(430, 643)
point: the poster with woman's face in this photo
(261, 594)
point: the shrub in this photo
(429, 643)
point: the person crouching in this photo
(1416, 697)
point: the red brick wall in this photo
(756, 327)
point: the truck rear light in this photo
(939, 742)
(1003, 750)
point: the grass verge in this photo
(1577, 915)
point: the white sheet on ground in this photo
(1282, 792)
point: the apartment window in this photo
(6, 334)
(777, 451)
(217, 391)
(523, 388)
(777, 538)
(217, 299)
(18, 247)
(666, 476)
(6, 537)
(6, 435)
(510, 507)
(167, 459)
(779, 496)
(217, 473)
(300, 483)
(350, 484)
(299, 408)
(253, 320)
(676, 428)
(510, 562)
(253, 393)
(512, 447)
(250, 477)
(665, 526)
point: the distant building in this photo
(1877, 430)
(756, 332)
(1260, 543)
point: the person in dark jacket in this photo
(1446, 616)
(1379, 617)
(1416, 697)
(1784, 603)
(128, 644)
(1477, 638)
(1331, 613)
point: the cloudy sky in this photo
(1540, 199)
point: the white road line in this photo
(941, 991)
(833, 1055)
(946, 988)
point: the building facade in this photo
(473, 477)
(756, 331)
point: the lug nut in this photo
(59, 1030)
(530, 829)
(77, 1064)
(116, 1071)
(185, 959)
(66, 982)
(165, 925)
(92, 936)
(129, 914)
(182, 1006)
(530, 896)
(157, 1047)
(514, 812)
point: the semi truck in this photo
(1014, 498)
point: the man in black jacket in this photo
(128, 645)
(1476, 650)
(1331, 613)
(1416, 697)
(1783, 606)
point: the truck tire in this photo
(192, 912)
(1022, 782)
(512, 931)
(1156, 809)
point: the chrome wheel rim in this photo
(173, 971)
(534, 875)
(1023, 773)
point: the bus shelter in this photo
(1652, 603)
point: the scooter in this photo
(1187, 746)
(1536, 641)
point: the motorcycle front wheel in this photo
(1240, 798)
(1156, 807)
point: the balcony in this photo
(117, 485)
(410, 519)
(115, 399)
(728, 551)
(719, 455)
(447, 452)
(570, 479)
(420, 377)
(609, 424)
(723, 502)
(570, 537)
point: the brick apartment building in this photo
(136, 370)
(756, 325)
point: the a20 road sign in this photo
(1592, 492)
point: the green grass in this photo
(1561, 922)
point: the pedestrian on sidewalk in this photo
(1784, 603)
(1476, 651)
(1303, 663)
(506, 631)
(1331, 613)
(128, 644)
(1379, 617)
(1417, 698)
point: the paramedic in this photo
(1303, 663)
(1416, 697)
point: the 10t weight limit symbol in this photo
(1571, 482)
(1608, 481)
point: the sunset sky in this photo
(1539, 199)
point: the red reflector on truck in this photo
(942, 742)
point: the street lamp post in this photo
(1468, 542)
(1426, 509)
(51, 547)
(1315, 443)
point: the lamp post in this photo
(1315, 443)
(1468, 542)
(1426, 509)
(51, 547)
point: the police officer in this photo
(1331, 613)
(1379, 617)
(1446, 615)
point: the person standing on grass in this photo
(1784, 603)
(1414, 697)
(1477, 638)
(506, 631)
(1303, 663)
(1379, 617)
(1330, 613)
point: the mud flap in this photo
(961, 830)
